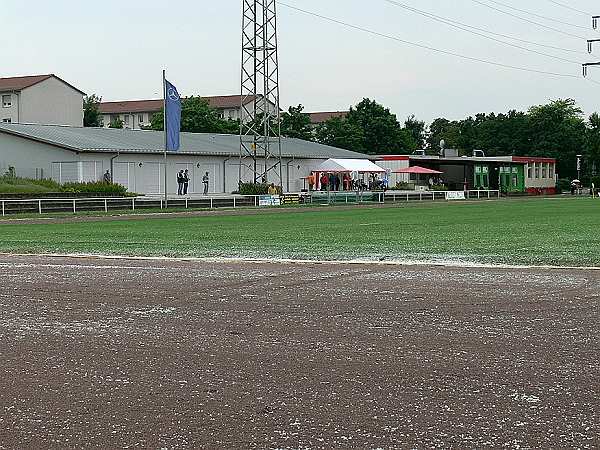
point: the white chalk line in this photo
(238, 260)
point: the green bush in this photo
(563, 185)
(438, 187)
(95, 188)
(9, 178)
(403, 186)
(254, 189)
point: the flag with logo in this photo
(173, 116)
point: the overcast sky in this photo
(118, 48)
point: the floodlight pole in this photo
(260, 127)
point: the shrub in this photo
(95, 188)
(403, 186)
(438, 187)
(563, 185)
(254, 189)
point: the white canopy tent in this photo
(349, 165)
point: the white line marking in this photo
(227, 260)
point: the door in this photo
(215, 179)
(124, 174)
(149, 179)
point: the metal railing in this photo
(107, 204)
(440, 195)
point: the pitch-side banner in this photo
(455, 195)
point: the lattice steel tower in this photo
(260, 129)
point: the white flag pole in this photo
(165, 130)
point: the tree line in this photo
(557, 129)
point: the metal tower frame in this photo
(260, 126)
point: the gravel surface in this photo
(127, 353)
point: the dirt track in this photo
(119, 353)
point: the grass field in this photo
(529, 231)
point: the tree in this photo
(341, 133)
(442, 129)
(558, 130)
(198, 117)
(116, 123)
(592, 152)
(417, 130)
(382, 134)
(91, 111)
(296, 124)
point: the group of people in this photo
(435, 181)
(345, 182)
(183, 181)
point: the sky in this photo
(118, 49)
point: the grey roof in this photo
(138, 141)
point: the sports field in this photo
(561, 231)
(223, 355)
(155, 353)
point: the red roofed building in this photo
(40, 99)
(137, 114)
(317, 118)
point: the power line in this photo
(569, 7)
(538, 15)
(528, 21)
(445, 20)
(460, 27)
(426, 47)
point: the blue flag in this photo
(173, 115)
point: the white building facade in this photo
(40, 99)
(135, 159)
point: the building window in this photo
(551, 170)
(141, 119)
(126, 119)
(544, 170)
(529, 171)
(537, 170)
(7, 120)
(7, 101)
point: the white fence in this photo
(106, 204)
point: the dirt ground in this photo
(126, 353)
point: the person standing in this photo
(180, 182)
(324, 182)
(186, 181)
(205, 183)
(311, 182)
(107, 177)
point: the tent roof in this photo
(419, 170)
(349, 165)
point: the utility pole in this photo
(590, 47)
(260, 128)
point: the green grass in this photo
(6, 188)
(541, 231)
(17, 185)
